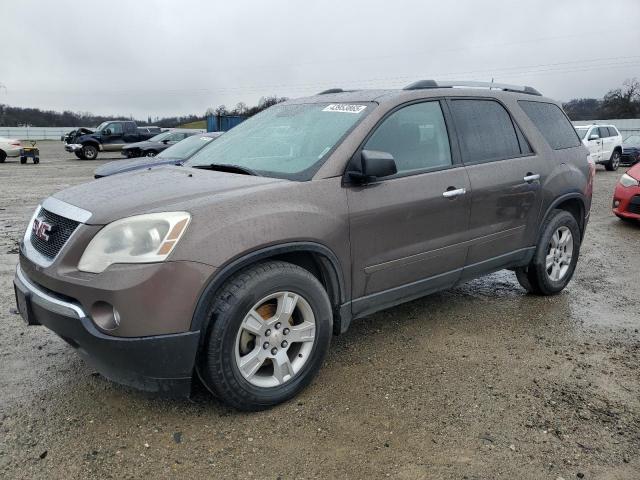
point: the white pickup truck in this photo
(604, 143)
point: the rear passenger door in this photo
(407, 238)
(505, 177)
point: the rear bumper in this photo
(161, 364)
(13, 152)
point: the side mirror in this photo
(373, 165)
(106, 131)
(593, 136)
(165, 141)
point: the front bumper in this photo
(73, 147)
(626, 202)
(629, 158)
(162, 363)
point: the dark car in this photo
(108, 137)
(155, 145)
(631, 150)
(238, 267)
(174, 155)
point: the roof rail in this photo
(331, 90)
(421, 84)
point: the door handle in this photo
(453, 192)
(531, 177)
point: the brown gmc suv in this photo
(241, 264)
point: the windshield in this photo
(102, 126)
(284, 141)
(186, 148)
(632, 140)
(582, 131)
(159, 137)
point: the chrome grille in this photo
(61, 230)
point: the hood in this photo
(634, 171)
(161, 189)
(121, 166)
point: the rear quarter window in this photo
(552, 123)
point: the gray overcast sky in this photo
(177, 57)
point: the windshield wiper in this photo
(227, 167)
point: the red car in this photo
(626, 198)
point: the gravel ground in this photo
(478, 382)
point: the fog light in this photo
(616, 203)
(105, 315)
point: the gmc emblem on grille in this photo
(42, 229)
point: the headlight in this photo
(628, 181)
(140, 239)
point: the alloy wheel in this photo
(275, 339)
(559, 254)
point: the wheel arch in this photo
(573, 203)
(316, 258)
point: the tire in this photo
(614, 162)
(80, 155)
(36, 160)
(89, 152)
(262, 289)
(536, 277)
(3, 156)
(150, 153)
(23, 160)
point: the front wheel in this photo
(614, 162)
(89, 152)
(555, 257)
(269, 332)
(3, 156)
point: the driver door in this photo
(115, 139)
(594, 141)
(408, 230)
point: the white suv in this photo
(604, 143)
(9, 148)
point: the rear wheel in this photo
(555, 258)
(614, 162)
(3, 156)
(23, 160)
(269, 331)
(90, 152)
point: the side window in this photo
(612, 132)
(116, 128)
(553, 124)
(485, 131)
(416, 136)
(594, 131)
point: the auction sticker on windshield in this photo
(344, 108)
